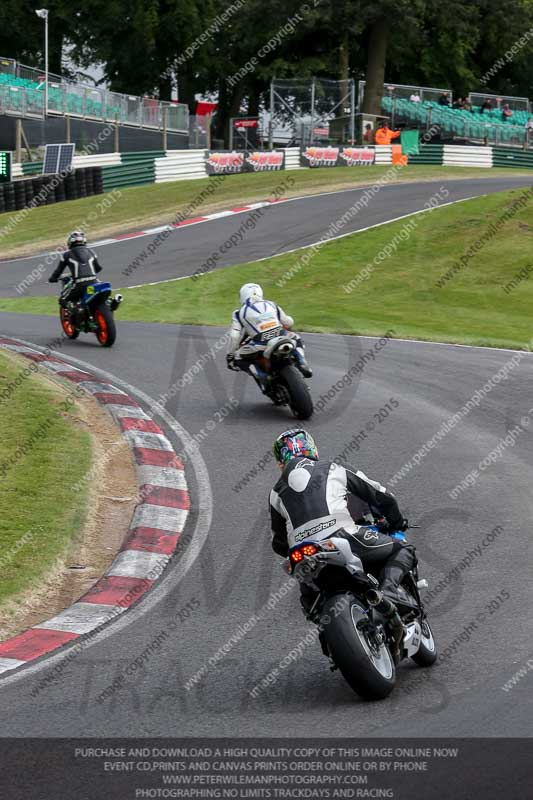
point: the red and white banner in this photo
(356, 156)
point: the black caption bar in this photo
(138, 769)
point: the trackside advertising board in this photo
(336, 156)
(233, 163)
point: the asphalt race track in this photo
(271, 230)
(480, 616)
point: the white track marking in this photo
(314, 244)
(217, 215)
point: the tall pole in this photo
(42, 13)
(46, 64)
(271, 120)
(352, 112)
(311, 135)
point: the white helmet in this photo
(250, 291)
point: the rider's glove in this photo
(230, 362)
(384, 527)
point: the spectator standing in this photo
(368, 135)
(506, 113)
(384, 135)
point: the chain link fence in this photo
(317, 110)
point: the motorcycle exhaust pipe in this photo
(285, 349)
(116, 301)
(377, 600)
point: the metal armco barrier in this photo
(130, 169)
(50, 189)
(507, 157)
(464, 156)
(428, 154)
(180, 165)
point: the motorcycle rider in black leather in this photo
(310, 501)
(83, 265)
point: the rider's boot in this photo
(390, 578)
(303, 366)
(254, 372)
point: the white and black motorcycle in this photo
(277, 374)
(361, 631)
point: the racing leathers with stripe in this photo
(254, 325)
(83, 265)
(310, 501)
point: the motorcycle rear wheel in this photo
(301, 403)
(106, 331)
(369, 670)
(68, 328)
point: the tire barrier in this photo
(50, 189)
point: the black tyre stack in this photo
(60, 193)
(89, 180)
(49, 186)
(28, 187)
(71, 192)
(20, 194)
(49, 189)
(81, 185)
(37, 185)
(9, 195)
(98, 180)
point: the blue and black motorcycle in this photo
(92, 314)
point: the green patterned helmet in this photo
(295, 443)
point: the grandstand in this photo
(22, 95)
(460, 123)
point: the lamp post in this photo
(43, 14)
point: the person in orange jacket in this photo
(384, 135)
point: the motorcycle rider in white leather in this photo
(254, 325)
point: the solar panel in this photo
(58, 158)
(66, 154)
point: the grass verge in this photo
(42, 454)
(448, 278)
(156, 204)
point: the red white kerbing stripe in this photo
(153, 536)
(186, 222)
(160, 228)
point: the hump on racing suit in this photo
(258, 321)
(309, 501)
(81, 261)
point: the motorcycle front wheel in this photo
(366, 665)
(427, 652)
(68, 328)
